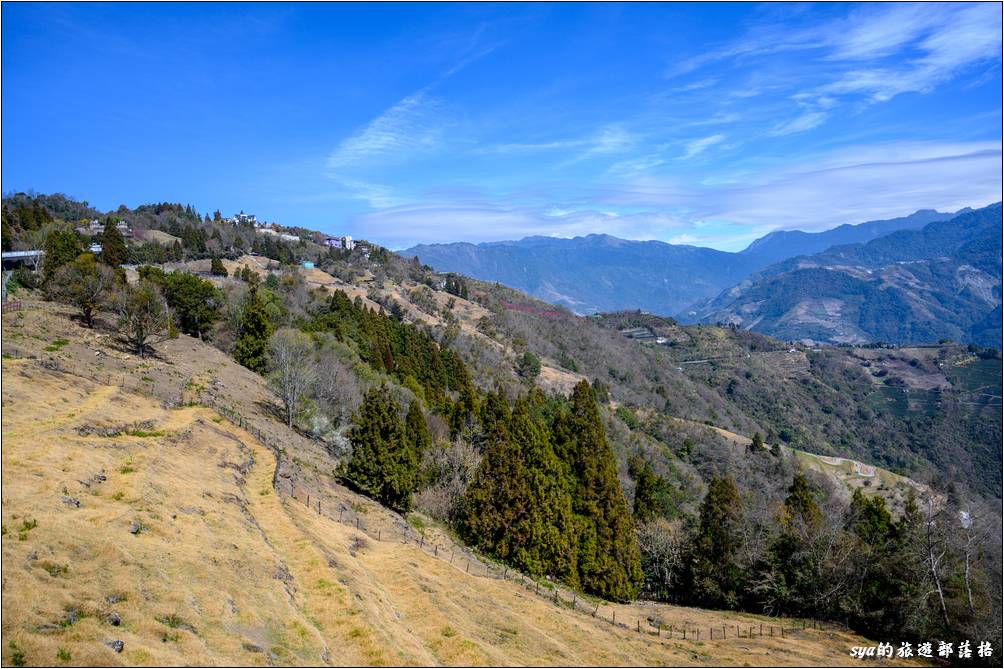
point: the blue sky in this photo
(700, 124)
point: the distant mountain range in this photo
(597, 272)
(911, 286)
(603, 273)
(783, 244)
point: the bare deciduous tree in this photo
(84, 283)
(450, 466)
(144, 318)
(291, 361)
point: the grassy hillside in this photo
(669, 417)
(115, 529)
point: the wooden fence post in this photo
(340, 512)
(596, 609)
(357, 522)
(437, 550)
(468, 566)
(613, 620)
(723, 631)
(684, 632)
(761, 629)
(639, 627)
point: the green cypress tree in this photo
(544, 533)
(800, 504)
(793, 572)
(113, 247)
(216, 267)
(646, 489)
(716, 574)
(253, 332)
(383, 464)
(518, 508)
(417, 430)
(61, 247)
(869, 519)
(608, 559)
(495, 494)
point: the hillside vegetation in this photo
(609, 457)
(133, 538)
(942, 281)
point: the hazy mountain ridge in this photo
(782, 244)
(596, 272)
(911, 286)
(604, 273)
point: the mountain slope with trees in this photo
(527, 408)
(942, 281)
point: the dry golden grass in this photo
(228, 570)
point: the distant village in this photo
(94, 228)
(343, 242)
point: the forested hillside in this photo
(942, 281)
(670, 467)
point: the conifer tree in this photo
(518, 508)
(113, 246)
(216, 267)
(608, 559)
(794, 569)
(544, 534)
(492, 499)
(716, 578)
(800, 503)
(61, 247)
(646, 487)
(253, 332)
(383, 463)
(417, 430)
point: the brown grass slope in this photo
(185, 531)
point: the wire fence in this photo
(460, 558)
(472, 564)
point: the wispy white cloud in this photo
(806, 121)
(850, 185)
(697, 146)
(409, 127)
(873, 53)
(476, 222)
(613, 138)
